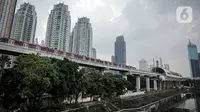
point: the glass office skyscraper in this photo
(194, 59)
(120, 50)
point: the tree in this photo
(120, 84)
(77, 84)
(67, 71)
(114, 85)
(9, 87)
(92, 82)
(38, 75)
(4, 60)
(34, 76)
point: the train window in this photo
(19, 43)
(51, 50)
(87, 58)
(32, 46)
(168, 73)
(25, 45)
(68, 54)
(55, 52)
(11, 42)
(37, 48)
(4, 40)
(78, 56)
(60, 52)
(43, 48)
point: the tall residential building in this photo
(120, 50)
(94, 53)
(42, 43)
(113, 59)
(36, 41)
(7, 11)
(151, 67)
(58, 28)
(166, 66)
(194, 59)
(143, 65)
(24, 24)
(81, 37)
(71, 42)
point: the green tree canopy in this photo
(38, 75)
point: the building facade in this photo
(42, 43)
(151, 67)
(143, 65)
(7, 11)
(36, 41)
(81, 37)
(113, 59)
(120, 50)
(94, 53)
(24, 24)
(58, 28)
(193, 59)
(199, 59)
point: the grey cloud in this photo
(149, 27)
(157, 34)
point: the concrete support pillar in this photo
(102, 71)
(164, 85)
(161, 85)
(156, 106)
(168, 85)
(147, 84)
(176, 84)
(148, 110)
(190, 85)
(138, 83)
(155, 87)
(125, 77)
(173, 84)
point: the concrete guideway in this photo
(160, 80)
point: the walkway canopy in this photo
(166, 72)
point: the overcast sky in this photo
(149, 27)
